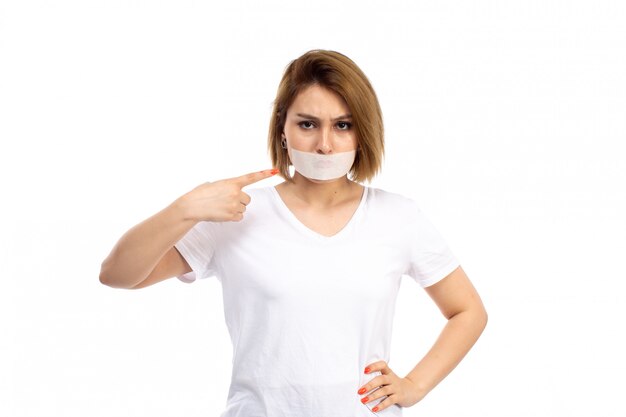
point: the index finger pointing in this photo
(255, 176)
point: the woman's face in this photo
(319, 121)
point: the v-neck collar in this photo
(291, 217)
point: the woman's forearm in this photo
(455, 340)
(140, 249)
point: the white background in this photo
(504, 120)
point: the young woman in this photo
(310, 269)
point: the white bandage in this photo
(322, 167)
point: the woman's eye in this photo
(344, 125)
(306, 124)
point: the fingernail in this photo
(362, 390)
(367, 370)
(274, 171)
(364, 400)
(375, 408)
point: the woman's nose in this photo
(324, 142)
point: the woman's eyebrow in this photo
(308, 116)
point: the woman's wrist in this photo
(182, 210)
(421, 388)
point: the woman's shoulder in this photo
(392, 199)
(395, 211)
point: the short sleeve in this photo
(198, 249)
(430, 258)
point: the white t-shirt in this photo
(307, 313)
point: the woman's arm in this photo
(459, 302)
(140, 249)
(147, 247)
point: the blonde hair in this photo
(340, 74)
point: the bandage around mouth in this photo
(322, 167)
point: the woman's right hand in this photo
(222, 200)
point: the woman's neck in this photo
(321, 194)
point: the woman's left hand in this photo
(401, 391)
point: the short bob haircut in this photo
(340, 74)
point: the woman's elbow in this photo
(482, 318)
(104, 275)
(108, 278)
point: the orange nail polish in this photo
(274, 171)
(362, 390)
(375, 408)
(364, 400)
(367, 370)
